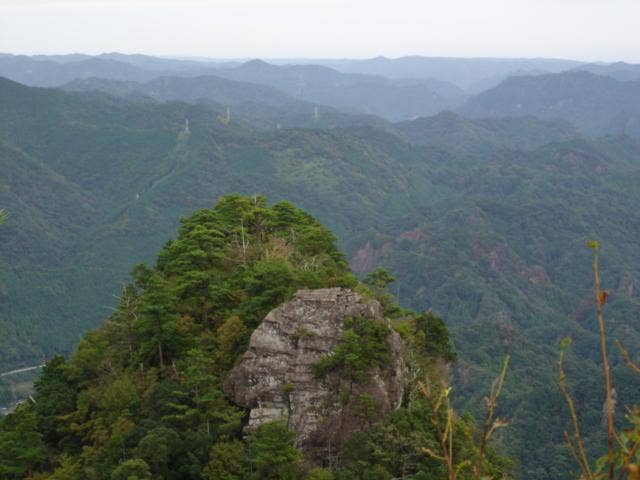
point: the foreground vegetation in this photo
(622, 459)
(141, 397)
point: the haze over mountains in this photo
(479, 206)
(461, 72)
(602, 103)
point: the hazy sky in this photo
(582, 29)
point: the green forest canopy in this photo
(141, 396)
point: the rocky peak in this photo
(275, 378)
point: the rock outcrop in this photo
(275, 379)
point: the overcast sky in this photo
(582, 29)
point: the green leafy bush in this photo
(363, 346)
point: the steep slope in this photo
(278, 356)
(139, 170)
(504, 261)
(70, 171)
(190, 89)
(597, 105)
(144, 395)
(48, 215)
(261, 106)
(454, 132)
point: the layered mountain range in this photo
(481, 213)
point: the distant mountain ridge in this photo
(394, 89)
(188, 89)
(364, 94)
(619, 70)
(355, 93)
(464, 72)
(49, 73)
(56, 70)
(597, 105)
(261, 106)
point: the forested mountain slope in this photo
(505, 259)
(136, 170)
(597, 105)
(489, 237)
(217, 89)
(157, 391)
(261, 106)
(451, 131)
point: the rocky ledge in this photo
(275, 378)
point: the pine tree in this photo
(156, 327)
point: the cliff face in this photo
(275, 380)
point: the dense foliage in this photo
(481, 221)
(362, 346)
(597, 104)
(141, 396)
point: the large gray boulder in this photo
(274, 378)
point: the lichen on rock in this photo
(275, 378)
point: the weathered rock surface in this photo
(275, 381)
